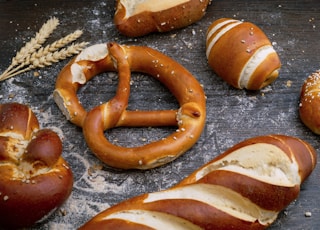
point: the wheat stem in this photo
(12, 74)
(10, 71)
(36, 42)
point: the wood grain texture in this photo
(232, 115)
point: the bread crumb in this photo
(63, 212)
(36, 74)
(289, 83)
(94, 168)
(11, 95)
(307, 214)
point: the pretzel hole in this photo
(146, 93)
(98, 90)
(134, 137)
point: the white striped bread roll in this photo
(241, 54)
(243, 188)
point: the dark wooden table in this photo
(233, 115)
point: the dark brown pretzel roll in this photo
(189, 118)
(35, 180)
(243, 188)
(241, 54)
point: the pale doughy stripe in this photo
(13, 135)
(156, 220)
(218, 26)
(93, 53)
(219, 197)
(256, 59)
(134, 7)
(261, 161)
(233, 24)
(77, 73)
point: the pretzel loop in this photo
(189, 118)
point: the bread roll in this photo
(241, 54)
(309, 108)
(35, 180)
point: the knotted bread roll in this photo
(35, 180)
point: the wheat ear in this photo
(36, 42)
(33, 55)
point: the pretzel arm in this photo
(148, 118)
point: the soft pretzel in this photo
(189, 118)
(35, 180)
(140, 17)
(243, 188)
(309, 109)
(241, 54)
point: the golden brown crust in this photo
(296, 149)
(309, 109)
(241, 54)
(10, 120)
(168, 16)
(35, 180)
(243, 188)
(67, 87)
(189, 118)
(249, 187)
(117, 224)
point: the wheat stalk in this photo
(36, 42)
(61, 42)
(41, 59)
(52, 57)
(33, 55)
(43, 51)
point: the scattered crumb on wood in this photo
(307, 214)
(289, 83)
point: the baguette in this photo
(243, 188)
